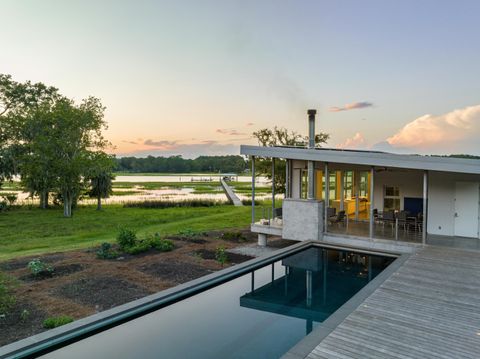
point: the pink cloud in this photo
(447, 130)
(357, 141)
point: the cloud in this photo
(130, 142)
(230, 132)
(163, 144)
(357, 141)
(351, 106)
(457, 130)
(248, 124)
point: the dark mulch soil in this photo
(176, 272)
(188, 239)
(13, 327)
(59, 271)
(231, 257)
(101, 292)
(23, 262)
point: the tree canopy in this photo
(279, 136)
(49, 140)
(177, 164)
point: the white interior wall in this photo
(441, 201)
(410, 184)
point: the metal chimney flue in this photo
(311, 144)
(311, 128)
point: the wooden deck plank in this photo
(429, 308)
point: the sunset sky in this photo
(198, 77)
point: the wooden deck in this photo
(428, 308)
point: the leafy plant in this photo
(24, 315)
(7, 300)
(164, 245)
(233, 236)
(138, 247)
(106, 251)
(221, 255)
(126, 238)
(53, 322)
(38, 267)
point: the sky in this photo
(198, 77)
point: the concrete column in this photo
(287, 179)
(253, 189)
(372, 186)
(273, 188)
(425, 204)
(342, 191)
(262, 240)
(327, 197)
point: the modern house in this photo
(370, 195)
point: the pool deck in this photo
(429, 307)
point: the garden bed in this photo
(82, 284)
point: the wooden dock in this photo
(232, 197)
(428, 308)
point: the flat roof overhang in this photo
(378, 159)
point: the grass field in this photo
(33, 231)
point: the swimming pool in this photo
(260, 314)
(257, 309)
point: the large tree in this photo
(279, 136)
(17, 100)
(100, 176)
(75, 136)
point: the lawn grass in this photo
(31, 231)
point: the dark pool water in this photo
(289, 299)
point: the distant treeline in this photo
(177, 164)
(465, 156)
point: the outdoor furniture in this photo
(338, 218)
(331, 212)
(388, 218)
(402, 219)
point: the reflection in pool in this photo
(261, 314)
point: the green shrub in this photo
(54, 322)
(38, 267)
(138, 247)
(126, 238)
(164, 245)
(221, 255)
(106, 251)
(233, 236)
(7, 300)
